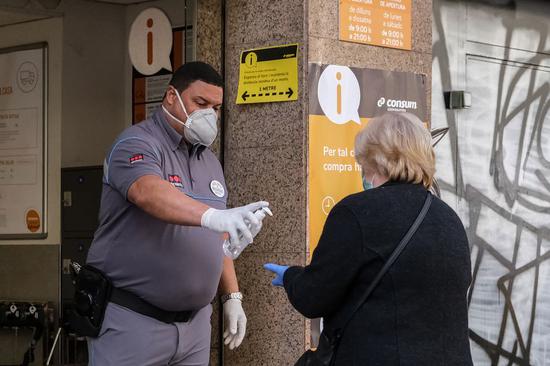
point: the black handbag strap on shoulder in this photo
(402, 244)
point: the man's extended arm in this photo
(160, 199)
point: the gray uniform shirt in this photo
(171, 266)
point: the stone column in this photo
(266, 152)
(265, 158)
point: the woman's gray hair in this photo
(397, 146)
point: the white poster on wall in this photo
(22, 142)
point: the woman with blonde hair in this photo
(391, 271)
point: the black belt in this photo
(135, 303)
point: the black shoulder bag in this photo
(328, 343)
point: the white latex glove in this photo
(235, 222)
(235, 320)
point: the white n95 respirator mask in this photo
(201, 127)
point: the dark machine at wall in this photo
(81, 192)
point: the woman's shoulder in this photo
(446, 215)
(395, 197)
(361, 204)
(382, 195)
(353, 201)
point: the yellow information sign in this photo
(268, 74)
(342, 100)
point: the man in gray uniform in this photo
(162, 222)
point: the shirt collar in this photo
(174, 137)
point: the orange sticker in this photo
(33, 221)
(385, 23)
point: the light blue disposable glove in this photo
(278, 270)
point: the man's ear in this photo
(170, 97)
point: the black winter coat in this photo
(417, 316)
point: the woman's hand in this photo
(278, 270)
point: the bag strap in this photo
(402, 244)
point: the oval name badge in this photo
(217, 188)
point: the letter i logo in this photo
(150, 42)
(339, 93)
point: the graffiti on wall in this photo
(494, 169)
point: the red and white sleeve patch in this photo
(136, 158)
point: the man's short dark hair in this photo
(190, 72)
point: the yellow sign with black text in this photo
(268, 74)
